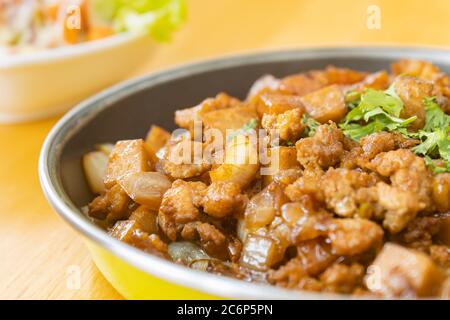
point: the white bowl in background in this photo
(46, 83)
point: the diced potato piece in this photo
(95, 164)
(259, 252)
(415, 68)
(241, 162)
(412, 91)
(157, 138)
(402, 272)
(146, 219)
(127, 157)
(441, 191)
(282, 158)
(378, 81)
(326, 104)
(343, 76)
(229, 119)
(146, 188)
(276, 103)
(304, 83)
(241, 174)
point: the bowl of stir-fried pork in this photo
(299, 174)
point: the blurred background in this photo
(41, 255)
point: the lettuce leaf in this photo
(158, 18)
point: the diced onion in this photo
(146, 188)
(94, 165)
(106, 148)
(186, 252)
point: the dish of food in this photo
(356, 201)
(30, 25)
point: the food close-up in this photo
(362, 182)
(241, 153)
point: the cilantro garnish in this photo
(375, 111)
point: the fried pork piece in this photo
(350, 237)
(315, 256)
(184, 159)
(179, 206)
(421, 232)
(112, 205)
(340, 190)
(424, 70)
(129, 231)
(307, 184)
(222, 199)
(292, 275)
(211, 239)
(441, 192)
(383, 141)
(396, 206)
(324, 149)
(327, 104)
(185, 118)
(410, 191)
(407, 172)
(406, 273)
(412, 91)
(287, 126)
(275, 103)
(440, 254)
(127, 157)
(341, 278)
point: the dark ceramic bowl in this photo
(126, 111)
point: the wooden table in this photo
(39, 252)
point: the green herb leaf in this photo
(310, 124)
(435, 117)
(434, 167)
(376, 111)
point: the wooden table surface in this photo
(39, 252)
